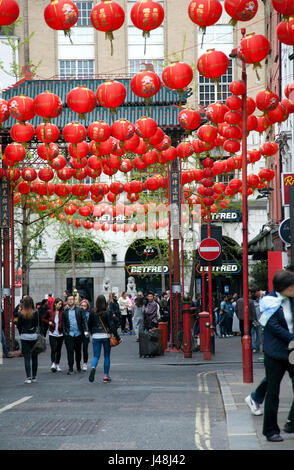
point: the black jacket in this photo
(95, 325)
(114, 310)
(27, 325)
(80, 317)
(276, 334)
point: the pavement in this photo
(151, 389)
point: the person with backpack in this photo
(101, 324)
(27, 325)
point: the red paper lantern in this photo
(74, 133)
(79, 150)
(284, 7)
(251, 123)
(279, 114)
(47, 152)
(288, 105)
(150, 157)
(241, 10)
(158, 137)
(251, 105)
(70, 209)
(170, 153)
(145, 84)
(145, 127)
(21, 108)
(85, 211)
(61, 15)
(232, 146)
(253, 180)
(81, 100)
(164, 144)
(46, 174)
(147, 15)
(111, 94)
(29, 174)
(268, 149)
(48, 105)
(215, 112)
(22, 132)
(235, 184)
(285, 32)
(233, 117)
(262, 124)
(15, 152)
(58, 162)
(126, 165)
(4, 111)
(237, 87)
(65, 173)
(212, 64)
(205, 12)
(78, 163)
(253, 49)
(80, 190)
(107, 16)
(23, 187)
(177, 76)
(207, 133)
(233, 132)
(9, 12)
(253, 156)
(234, 103)
(184, 150)
(266, 174)
(122, 129)
(47, 132)
(12, 174)
(266, 100)
(189, 119)
(99, 131)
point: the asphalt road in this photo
(150, 404)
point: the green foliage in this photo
(259, 275)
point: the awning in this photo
(263, 242)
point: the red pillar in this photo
(246, 340)
(187, 326)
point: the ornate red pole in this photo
(246, 340)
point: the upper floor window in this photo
(85, 9)
(209, 92)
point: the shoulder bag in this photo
(40, 344)
(112, 339)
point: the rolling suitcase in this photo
(148, 344)
(158, 333)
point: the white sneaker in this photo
(58, 368)
(53, 367)
(34, 380)
(253, 405)
(84, 367)
(28, 381)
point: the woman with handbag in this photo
(101, 325)
(53, 318)
(28, 329)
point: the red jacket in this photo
(49, 316)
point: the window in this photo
(210, 92)
(76, 68)
(85, 9)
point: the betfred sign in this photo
(226, 268)
(226, 216)
(287, 182)
(136, 269)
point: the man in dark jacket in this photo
(277, 317)
(74, 324)
(240, 314)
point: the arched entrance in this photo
(227, 278)
(147, 262)
(82, 252)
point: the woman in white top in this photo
(125, 306)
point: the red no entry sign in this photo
(209, 249)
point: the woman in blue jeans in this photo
(101, 324)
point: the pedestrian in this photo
(114, 309)
(138, 318)
(85, 304)
(125, 305)
(3, 340)
(150, 312)
(50, 301)
(42, 311)
(27, 325)
(53, 318)
(224, 317)
(277, 318)
(74, 324)
(256, 333)
(240, 314)
(101, 324)
(230, 316)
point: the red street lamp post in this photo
(246, 340)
